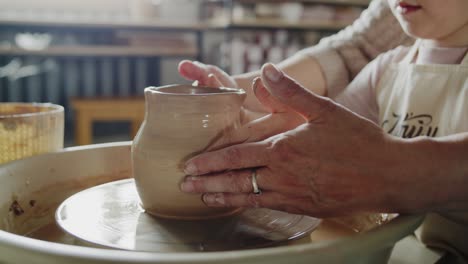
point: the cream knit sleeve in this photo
(343, 55)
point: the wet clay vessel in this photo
(180, 122)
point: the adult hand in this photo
(334, 164)
(280, 119)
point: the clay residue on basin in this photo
(26, 215)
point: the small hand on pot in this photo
(213, 76)
(256, 125)
(333, 164)
(206, 75)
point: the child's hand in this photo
(206, 75)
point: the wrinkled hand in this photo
(334, 164)
(280, 119)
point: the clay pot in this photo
(180, 122)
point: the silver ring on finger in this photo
(256, 189)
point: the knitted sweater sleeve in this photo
(343, 55)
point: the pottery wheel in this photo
(110, 215)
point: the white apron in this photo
(428, 100)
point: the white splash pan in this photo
(50, 178)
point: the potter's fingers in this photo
(221, 75)
(213, 81)
(191, 71)
(234, 157)
(271, 200)
(262, 128)
(236, 181)
(259, 129)
(265, 98)
(194, 70)
(249, 116)
(287, 91)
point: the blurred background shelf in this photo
(214, 24)
(109, 51)
(81, 50)
(100, 23)
(55, 50)
(275, 23)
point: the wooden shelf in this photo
(102, 51)
(212, 24)
(89, 110)
(279, 23)
(150, 24)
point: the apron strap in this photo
(412, 53)
(465, 59)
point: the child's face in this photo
(433, 19)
